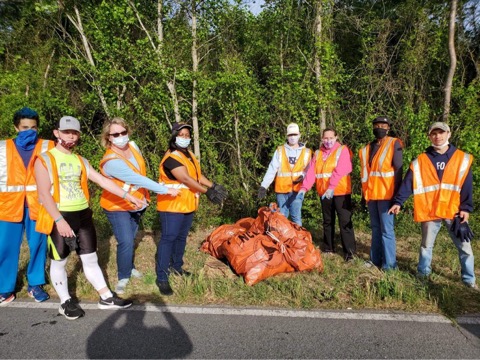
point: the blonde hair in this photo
(104, 137)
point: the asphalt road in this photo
(30, 330)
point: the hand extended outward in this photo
(216, 194)
(173, 192)
(135, 201)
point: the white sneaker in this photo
(136, 274)
(122, 284)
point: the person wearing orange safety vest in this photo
(65, 216)
(179, 169)
(19, 208)
(441, 182)
(123, 163)
(381, 164)
(288, 167)
(330, 170)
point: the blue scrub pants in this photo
(11, 236)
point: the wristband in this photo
(60, 218)
(124, 194)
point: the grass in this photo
(341, 285)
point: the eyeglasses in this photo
(123, 133)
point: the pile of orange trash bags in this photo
(268, 245)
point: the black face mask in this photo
(379, 133)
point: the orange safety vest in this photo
(286, 175)
(378, 179)
(187, 200)
(324, 170)
(18, 182)
(112, 202)
(45, 220)
(434, 199)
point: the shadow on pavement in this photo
(125, 335)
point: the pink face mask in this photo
(328, 143)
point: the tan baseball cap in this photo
(439, 125)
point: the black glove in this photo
(220, 189)
(214, 196)
(262, 192)
(71, 242)
(461, 230)
(298, 180)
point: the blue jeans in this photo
(171, 247)
(430, 230)
(290, 205)
(125, 227)
(11, 236)
(383, 249)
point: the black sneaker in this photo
(165, 288)
(71, 310)
(114, 302)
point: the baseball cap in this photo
(293, 129)
(69, 123)
(381, 119)
(179, 126)
(438, 125)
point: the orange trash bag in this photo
(268, 245)
(218, 237)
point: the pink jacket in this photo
(344, 167)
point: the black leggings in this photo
(81, 223)
(342, 205)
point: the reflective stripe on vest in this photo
(337, 157)
(306, 159)
(420, 189)
(4, 187)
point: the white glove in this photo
(328, 194)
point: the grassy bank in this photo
(341, 286)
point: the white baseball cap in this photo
(293, 129)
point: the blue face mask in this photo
(27, 139)
(183, 143)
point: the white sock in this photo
(93, 273)
(58, 276)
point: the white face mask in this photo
(440, 147)
(120, 141)
(182, 142)
(293, 139)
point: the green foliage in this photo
(256, 74)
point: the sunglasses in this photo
(123, 133)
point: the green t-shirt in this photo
(69, 169)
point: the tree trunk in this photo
(453, 60)
(239, 153)
(317, 66)
(196, 145)
(88, 54)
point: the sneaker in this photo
(114, 302)
(136, 274)
(165, 288)
(122, 284)
(71, 310)
(37, 293)
(472, 286)
(6, 298)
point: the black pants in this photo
(341, 205)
